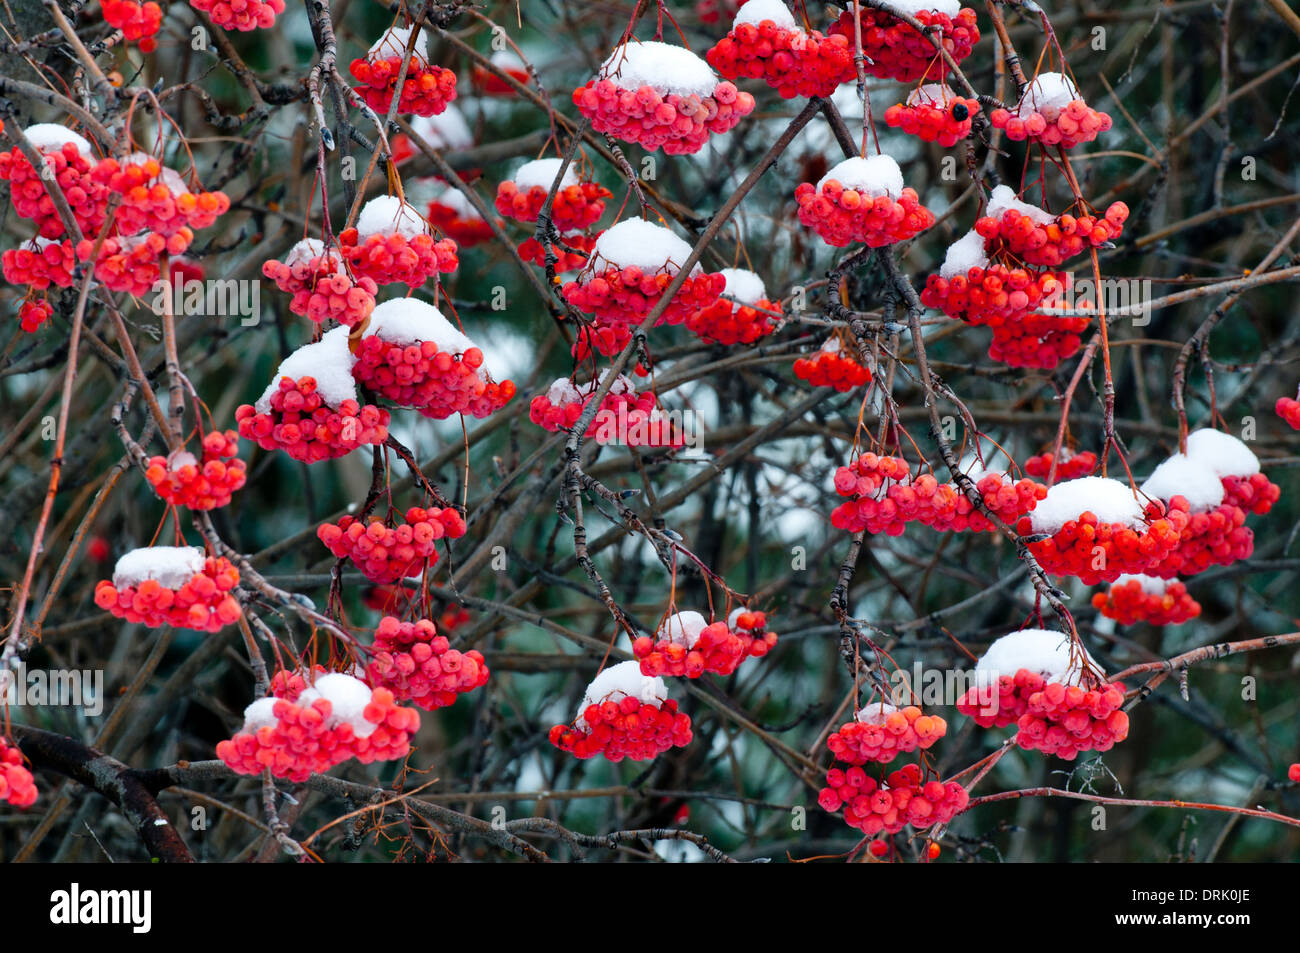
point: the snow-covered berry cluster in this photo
(156, 198)
(1036, 237)
(241, 15)
(895, 50)
(427, 88)
(412, 355)
(139, 22)
(133, 264)
(171, 585)
(832, 366)
(68, 161)
(1052, 113)
(577, 204)
(388, 554)
(321, 287)
(531, 251)
(183, 480)
(1133, 599)
(633, 419)
(742, 316)
(454, 215)
(624, 714)
(765, 42)
(903, 797)
(934, 113)
(660, 96)
(418, 665)
(490, 84)
(17, 786)
(881, 732)
(336, 718)
(687, 645)
(862, 200)
(40, 263)
(391, 244)
(1069, 465)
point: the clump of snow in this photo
(260, 714)
(305, 250)
(1222, 453)
(507, 60)
(50, 137)
(329, 361)
(620, 681)
(1110, 500)
(1182, 476)
(666, 69)
(683, 628)
(1003, 198)
(170, 566)
(832, 346)
(637, 243)
(563, 391)
(735, 614)
(931, 94)
(1040, 651)
(756, 11)
(949, 8)
(1047, 95)
(447, 130)
(388, 214)
(543, 172)
(394, 43)
(743, 286)
(1152, 585)
(348, 698)
(875, 713)
(409, 321)
(964, 254)
(875, 175)
(454, 198)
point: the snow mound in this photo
(170, 566)
(1003, 198)
(1110, 500)
(447, 130)
(1047, 95)
(543, 172)
(409, 321)
(964, 254)
(949, 8)
(394, 43)
(620, 681)
(875, 713)
(348, 698)
(876, 175)
(328, 361)
(756, 11)
(1222, 453)
(636, 243)
(744, 286)
(454, 198)
(1182, 476)
(683, 628)
(50, 137)
(931, 94)
(1152, 585)
(260, 714)
(565, 391)
(666, 69)
(1040, 651)
(388, 214)
(305, 250)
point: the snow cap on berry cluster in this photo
(874, 175)
(387, 215)
(666, 69)
(636, 243)
(394, 43)
(447, 130)
(170, 566)
(1180, 475)
(949, 8)
(348, 698)
(328, 361)
(304, 251)
(407, 321)
(1003, 199)
(1110, 500)
(620, 681)
(744, 286)
(1152, 585)
(542, 172)
(930, 94)
(51, 137)
(1223, 453)
(875, 713)
(1040, 651)
(964, 254)
(683, 628)
(755, 12)
(1047, 94)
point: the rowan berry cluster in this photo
(139, 22)
(1146, 599)
(1288, 408)
(156, 199)
(418, 665)
(182, 480)
(1217, 536)
(387, 554)
(729, 322)
(394, 258)
(624, 296)
(903, 798)
(133, 264)
(203, 602)
(788, 59)
(881, 732)
(934, 113)
(686, 645)
(843, 215)
(992, 295)
(832, 366)
(1051, 113)
(1052, 242)
(67, 158)
(32, 314)
(456, 217)
(1069, 465)
(1097, 550)
(437, 383)
(321, 287)
(634, 417)
(628, 728)
(895, 50)
(1066, 719)
(1255, 493)
(577, 205)
(242, 15)
(427, 89)
(17, 786)
(299, 422)
(531, 251)
(40, 263)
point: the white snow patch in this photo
(875, 713)
(1182, 476)
(260, 714)
(756, 11)
(1152, 585)
(1048, 94)
(170, 566)
(304, 251)
(447, 130)
(542, 172)
(328, 361)
(50, 137)
(409, 321)
(348, 698)
(931, 94)
(1110, 500)
(744, 286)
(1003, 198)
(635, 242)
(394, 43)
(964, 254)
(875, 175)
(912, 7)
(1040, 651)
(1223, 453)
(683, 628)
(666, 69)
(388, 214)
(620, 681)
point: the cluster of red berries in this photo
(426, 90)
(992, 295)
(792, 62)
(460, 222)
(1128, 602)
(934, 113)
(1254, 494)
(295, 738)
(489, 84)
(1288, 408)
(729, 322)
(182, 480)
(242, 15)
(1069, 465)
(155, 198)
(133, 264)
(843, 216)
(419, 665)
(903, 798)
(1293, 772)
(679, 124)
(387, 554)
(575, 207)
(39, 264)
(203, 602)
(71, 168)
(1076, 123)
(624, 296)
(137, 21)
(531, 251)
(17, 786)
(1073, 549)
(622, 729)
(321, 289)
(1214, 537)
(1050, 244)
(437, 383)
(300, 423)
(1037, 340)
(395, 259)
(832, 367)
(882, 732)
(716, 648)
(633, 417)
(894, 50)
(32, 314)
